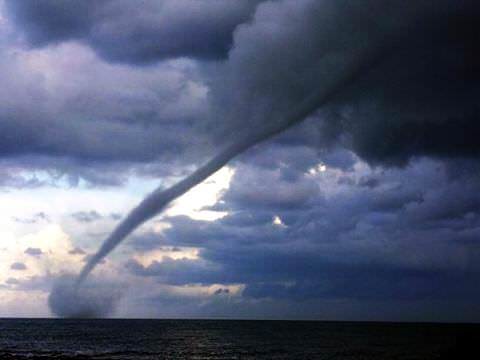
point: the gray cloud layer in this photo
(401, 241)
(418, 99)
(143, 33)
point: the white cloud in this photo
(204, 195)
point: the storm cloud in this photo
(123, 31)
(399, 241)
(372, 198)
(419, 98)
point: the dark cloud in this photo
(12, 281)
(421, 99)
(418, 97)
(19, 266)
(272, 189)
(221, 291)
(77, 251)
(424, 108)
(88, 141)
(122, 31)
(370, 182)
(65, 123)
(36, 218)
(35, 283)
(416, 100)
(383, 244)
(145, 242)
(176, 272)
(51, 21)
(9, 179)
(86, 216)
(33, 251)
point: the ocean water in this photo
(225, 339)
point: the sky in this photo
(366, 208)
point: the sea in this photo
(228, 339)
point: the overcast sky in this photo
(367, 210)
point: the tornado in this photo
(353, 65)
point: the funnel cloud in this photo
(156, 201)
(340, 66)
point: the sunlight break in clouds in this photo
(51, 245)
(206, 194)
(178, 253)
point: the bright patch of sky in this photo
(317, 169)
(206, 194)
(147, 258)
(277, 221)
(42, 218)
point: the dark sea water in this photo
(212, 339)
